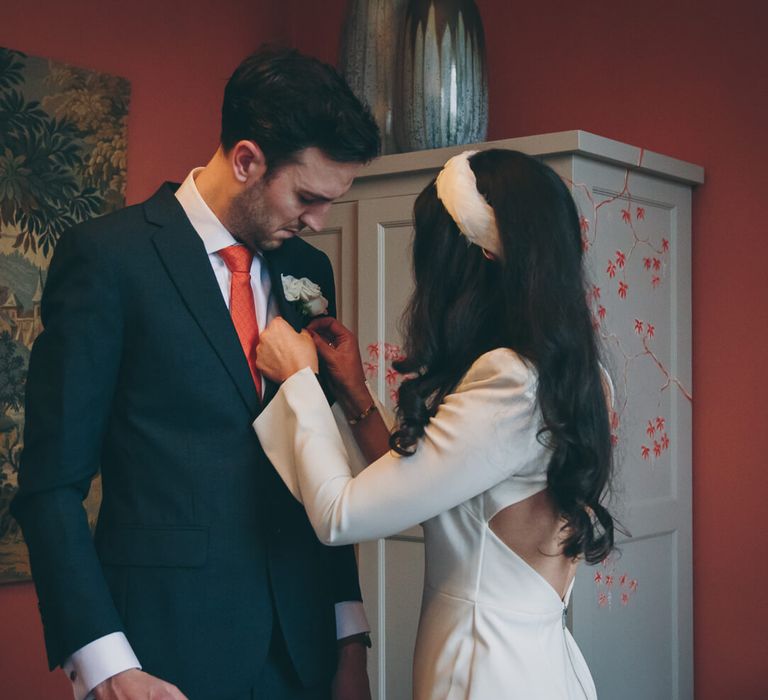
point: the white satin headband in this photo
(457, 190)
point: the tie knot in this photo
(237, 258)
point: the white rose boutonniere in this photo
(305, 295)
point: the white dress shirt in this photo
(112, 654)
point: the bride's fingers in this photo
(324, 347)
(321, 322)
(328, 326)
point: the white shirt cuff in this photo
(95, 662)
(350, 619)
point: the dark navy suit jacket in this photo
(199, 547)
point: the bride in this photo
(502, 446)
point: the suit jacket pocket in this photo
(178, 547)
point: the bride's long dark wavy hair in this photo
(531, 300)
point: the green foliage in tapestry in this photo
(62, 154)
(62, 161)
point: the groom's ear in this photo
(249, 165)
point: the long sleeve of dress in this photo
(483, 433)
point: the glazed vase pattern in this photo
(442, 91)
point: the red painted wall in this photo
(178, 55)
(686, 79)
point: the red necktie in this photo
(241, 307)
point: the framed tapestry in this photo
(62, 160)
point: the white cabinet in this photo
(632, 616)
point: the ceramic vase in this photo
(442, 88)
(368, 58)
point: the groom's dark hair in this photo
(286, 102)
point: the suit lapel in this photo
(187, 264)
(277, 262)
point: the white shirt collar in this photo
(214, 234)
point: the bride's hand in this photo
(339, 350)
(282, 351)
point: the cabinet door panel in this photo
(338, 240)
(632, 616)
(392, 569)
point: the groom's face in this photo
(298, 195)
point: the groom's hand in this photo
(351, 679)
(282, 351)
(136, 685)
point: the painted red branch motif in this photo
(636, 253)
(390, 352)
(658, 439)
(608, 584)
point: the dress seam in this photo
(483, 604)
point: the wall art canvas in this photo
(62, 160)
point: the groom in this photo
(204, 579)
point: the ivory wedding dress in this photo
(491, 627)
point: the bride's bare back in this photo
(532, 529)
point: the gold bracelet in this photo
(367, 412)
